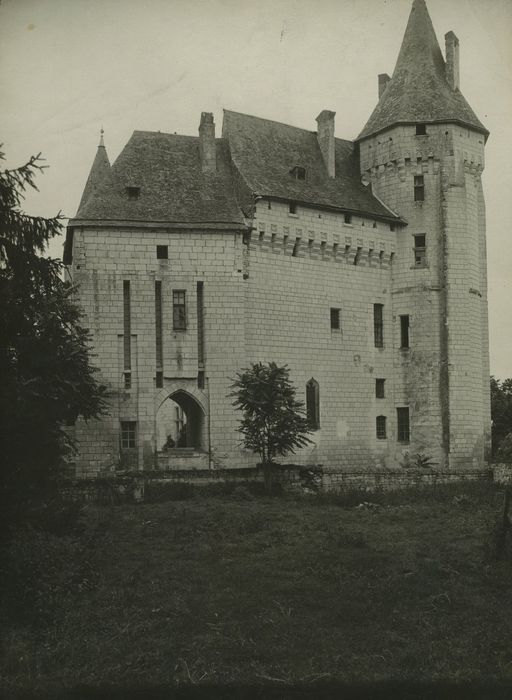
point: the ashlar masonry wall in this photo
(103, 259)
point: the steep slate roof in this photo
(99, 170)
(173, 187)
(265, 151)
(418, 90)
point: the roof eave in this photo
(466, 125)
(134, 223)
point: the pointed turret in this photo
(421, 88)
(99, 169)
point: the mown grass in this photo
(243, 589)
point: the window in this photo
(313, 404)
(378, 326)
(127, 350)
(127, 380)
(402, 416)
(200, 379)
(404, 331)
(133, 192)
(159, 351)
(420, 250)
(179, 316)
(200, 323)
(292, 208)
(392, 227)
(159, 379)
(298, 173)
(419, 188)
(421, 129)
(380, 425)
(374, 225)
(128, 434)
(269, 205)
(296, 247)
(162, 252)
(379, 388)
(347, 218)
(335, 319)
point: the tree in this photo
(274, 422)
(501, 411)
(46, 377)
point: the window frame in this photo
(179, 325)
(162, 249)
(419, 188)
(128, 434)
(381, 427)
(420, 251)
(403, 424)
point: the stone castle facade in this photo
(361, 265)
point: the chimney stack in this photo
(325, 136)
(207, 149)
(452, 60)
(383, 83)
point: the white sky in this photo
(69, 66)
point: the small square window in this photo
(421, 129)
(292, 207)
(133, 192)
(347, 218)
(379, 388)
(335, 319)
(128, 434)
(380, 425)
(162, 252)
(179, 312)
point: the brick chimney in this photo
(383, 83)
(452, 60)
(325, 136)
(207, 149)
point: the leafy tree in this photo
(501, 411)
(274, 422)
(46, 378)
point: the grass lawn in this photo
(232, 590)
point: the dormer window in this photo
(133, 192)
(298, 172)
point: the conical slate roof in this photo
(418, 90)
(99, 169)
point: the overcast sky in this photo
(67, 67)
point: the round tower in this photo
(423, 152)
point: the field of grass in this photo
(263, 592)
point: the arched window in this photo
(313, 404)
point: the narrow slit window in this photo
(200, 323)
(158, 326)
(335, 319)
(128, 434)
(404, 332)
(403, 429)
(313, 404)
(420, 250)
(296, 247)
(179, 311)
(127, 350)
(419, 188)
(381, 427)
(159, 379)
(162, 252)
(380, 388)
(378, 325)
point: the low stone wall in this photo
(130, 486)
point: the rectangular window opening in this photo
(296, 247)
(133, 192)
(421, 129)
(200, 379)
(200, 322)
(379, 388)
(347, 218)
(403, 431)
(179, 312)
(127, 350)
(162, 252)
(127, 380)
(128, 434)
(380, 425)
(404, 332)
(158, 326)
(378, 325)
(335, 319)
(159, 379)
(419, 188)
(292, 207)
(420, 250)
